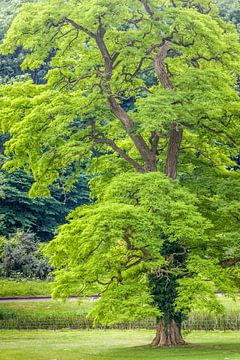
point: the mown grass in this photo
(13, 288)
(45, 314)
(45, 308)
(114, 345)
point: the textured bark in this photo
(168, 334)
(160, 67)
(175, 134)
(175, 138)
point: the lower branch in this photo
(121, 153)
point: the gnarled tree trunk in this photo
(168, 333)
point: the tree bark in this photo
(168, 334)
(175, 138)
(175, 134)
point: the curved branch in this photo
(148, 157)
(121, 153)
(147, 8)
(79, 27)
(160, 67)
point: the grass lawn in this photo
(47, 308)
(71, 314)
(114, 345)
(11, 288)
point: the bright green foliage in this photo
(115, 242)
(10, 65)
(7, 12)
(202, 63)
(218, 194)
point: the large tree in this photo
(151, 85)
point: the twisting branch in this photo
(117, 149)
(148, 157)
(230, 262)
(79, 27)
(145, 151)
(160, 67)
(147, 7)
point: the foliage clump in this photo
(22, 257)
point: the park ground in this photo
(114, 345)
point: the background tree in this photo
(21, 256)
(40, 216)
(104, 55)
(230, 11)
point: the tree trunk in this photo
(168, 334)
(175, 139)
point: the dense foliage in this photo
(21, 256)
(200, 76)
(17, 210)
(40, 216)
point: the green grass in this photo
(12, 288)
(114, 345)
(71, 314)
(48, 308)
(230, 303)
(45, 314)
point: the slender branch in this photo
(79, 27)
(147, 8)
(230, 262)
(121, 153)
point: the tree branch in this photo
(147, 8)
(148, 157)
(160, 67)
(79, 27)
(121, 153)
(230, 262)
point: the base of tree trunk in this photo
(168, 334)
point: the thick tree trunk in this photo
(175, 138)
(168, 334)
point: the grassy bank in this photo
(112, 344)
(13, 288)
(72, 314)
(45, 314)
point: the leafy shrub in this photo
(21, 256)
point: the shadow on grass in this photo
(191, 351)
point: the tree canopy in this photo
(103, 55)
